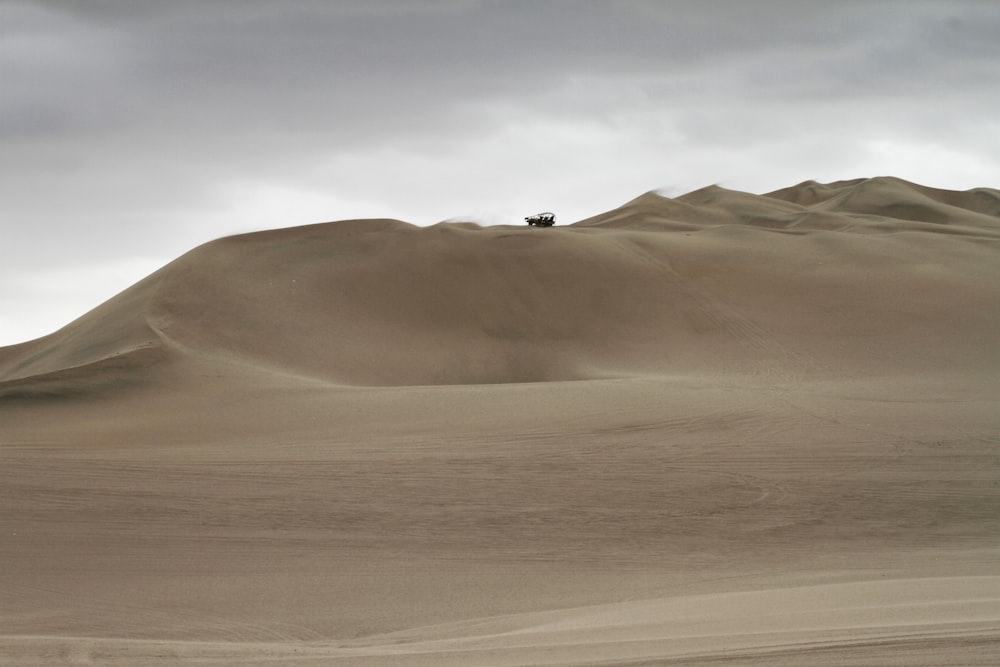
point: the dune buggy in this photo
(546, 219)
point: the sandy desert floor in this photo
(722, 429)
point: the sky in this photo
(132, 131)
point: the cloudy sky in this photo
(134, 130)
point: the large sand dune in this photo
(716, 429)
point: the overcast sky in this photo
(134, 130)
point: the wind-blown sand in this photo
(720, 429)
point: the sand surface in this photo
(719, 429)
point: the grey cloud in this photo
(296, 70)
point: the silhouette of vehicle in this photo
(546, 219)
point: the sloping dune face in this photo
(385, 303)
(857, 276)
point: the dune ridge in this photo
(715, 429)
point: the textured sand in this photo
(720, 429)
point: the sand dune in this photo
(751, 280)
(721, 428)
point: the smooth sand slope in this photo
(719, 429)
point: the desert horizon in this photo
(716, 428)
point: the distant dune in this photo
(716, 429)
